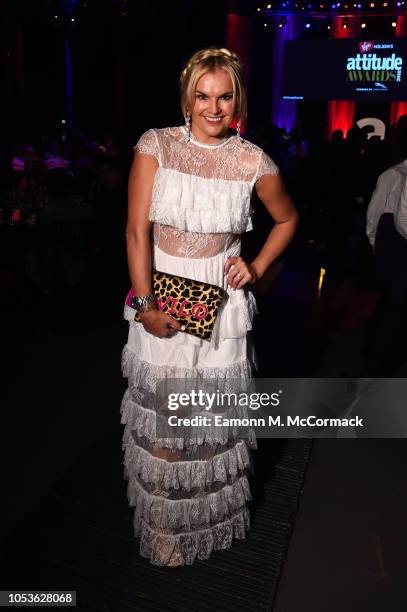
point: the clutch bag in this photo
(193, 303)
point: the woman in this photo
(191, 186)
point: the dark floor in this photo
(348, 550)
(61, 365)
(80, 538)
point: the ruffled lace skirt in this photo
(190, 493)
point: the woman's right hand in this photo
(160, 324)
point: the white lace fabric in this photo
(196, 245)
(203, 188)
(232, 160)
(191, 493)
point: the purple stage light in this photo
(68, 6)
(307, 25)
(283, 111)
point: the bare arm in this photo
(138, 233)
(272, 193)
(138, 229)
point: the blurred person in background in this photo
(386, 342)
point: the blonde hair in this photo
(208, 60)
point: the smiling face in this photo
(214, 107)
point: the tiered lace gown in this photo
(190, 495)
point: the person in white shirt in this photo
(385, 197)
(385, 347)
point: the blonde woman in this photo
(189, 203)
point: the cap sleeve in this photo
(148, 145)
(266, 166)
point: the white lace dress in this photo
(191, 495)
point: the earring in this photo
(238, 131)
(188, 126)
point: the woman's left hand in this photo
(239, 272)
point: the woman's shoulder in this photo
(251, 148)
(176, 133)
(153, 141)
(258, 158)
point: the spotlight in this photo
(265, 25)
(283, 21)
(394, 24)
(72, 19)
(371, 5)
(345, 23)
(269, 6)
(385, 4)
(363, 25)
(258, 9)
(328, 27)
(308, 25)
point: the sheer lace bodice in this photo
(193, 245)
(203, 188)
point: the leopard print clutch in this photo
(193, 303)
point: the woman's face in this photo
(213, 110)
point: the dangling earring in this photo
(238, 131)
(188, 126)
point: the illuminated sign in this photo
(345, 69)
(372, 67)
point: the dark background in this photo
(147, 44)
(151, 43)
